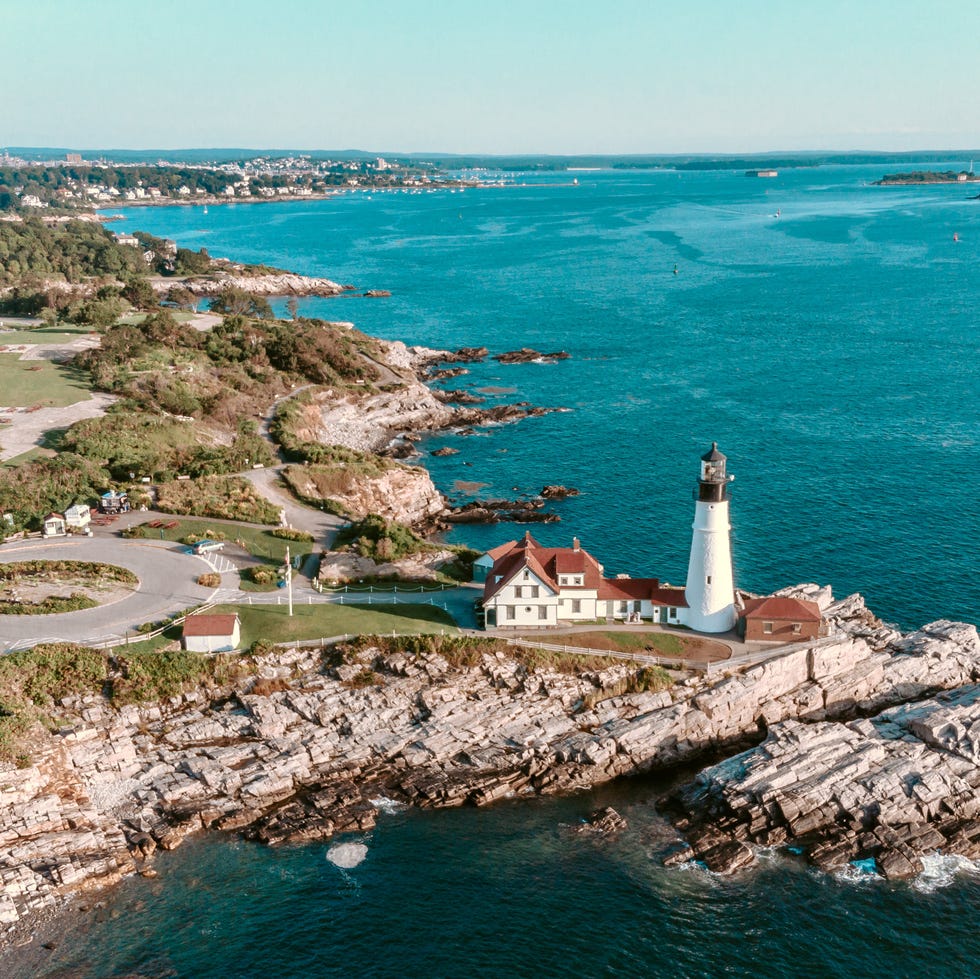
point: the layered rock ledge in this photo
(299, 750)
(890, 787)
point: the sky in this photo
(492, 76)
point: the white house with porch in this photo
(530, 586)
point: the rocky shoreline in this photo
(860, 753)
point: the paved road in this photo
(168, 583)
(321, 524)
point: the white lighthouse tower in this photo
(710, 590)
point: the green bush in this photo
(222, 497)
(380, 539)
(261, 574)
(287, 533)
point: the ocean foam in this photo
(939, 870)
(347, 855)
(390, 806)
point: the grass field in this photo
(655, 643)
(258, 542)
(30, 382)
(273, 624)
(64, 333)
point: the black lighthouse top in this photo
(713, 484)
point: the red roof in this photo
(643, 589)
(210, 625)
(781, 608)
(500, 551)
(570, 562)
(546, 563)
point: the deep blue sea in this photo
(825, 332)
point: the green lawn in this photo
(272, 622)
(29, 382)
(662, 643)
(63, 333)
(180, 315)
(258, 542)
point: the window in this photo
(563, 580)
(533, 591)
(578, 579)
(672, 613)
(797, 628)
(508, 611)
(527, 575)
(767, 627)
(624, 607)
(576, 605)
(518, 591)
(542, 611)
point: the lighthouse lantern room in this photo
(710, 589)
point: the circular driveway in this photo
(168, 583)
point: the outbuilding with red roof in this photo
(211, 633)
(779, 618)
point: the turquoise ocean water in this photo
(832, 353)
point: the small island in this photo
(928, 177)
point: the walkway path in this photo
(168, 582)
(321, 524)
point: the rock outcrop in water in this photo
(299, 752)
(893, 786)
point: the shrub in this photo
(287, 533)
(261, 574)
(264, 686)
(380, 539)
(222, 497)
(209, 579)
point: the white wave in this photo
(939, 870)
(858, 872)
(347, 855)
(389, 806)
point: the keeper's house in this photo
(530, 586)
(778, 618)
(211, 633)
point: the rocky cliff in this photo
(300, 750)
(405, 494)
(272, 284)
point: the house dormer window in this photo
(563, 580)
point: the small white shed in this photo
(211, 633)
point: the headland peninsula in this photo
(235, 438)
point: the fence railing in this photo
(128, 640)
(736, 661)
(647, 659)
(371, 589)
(757, 656)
